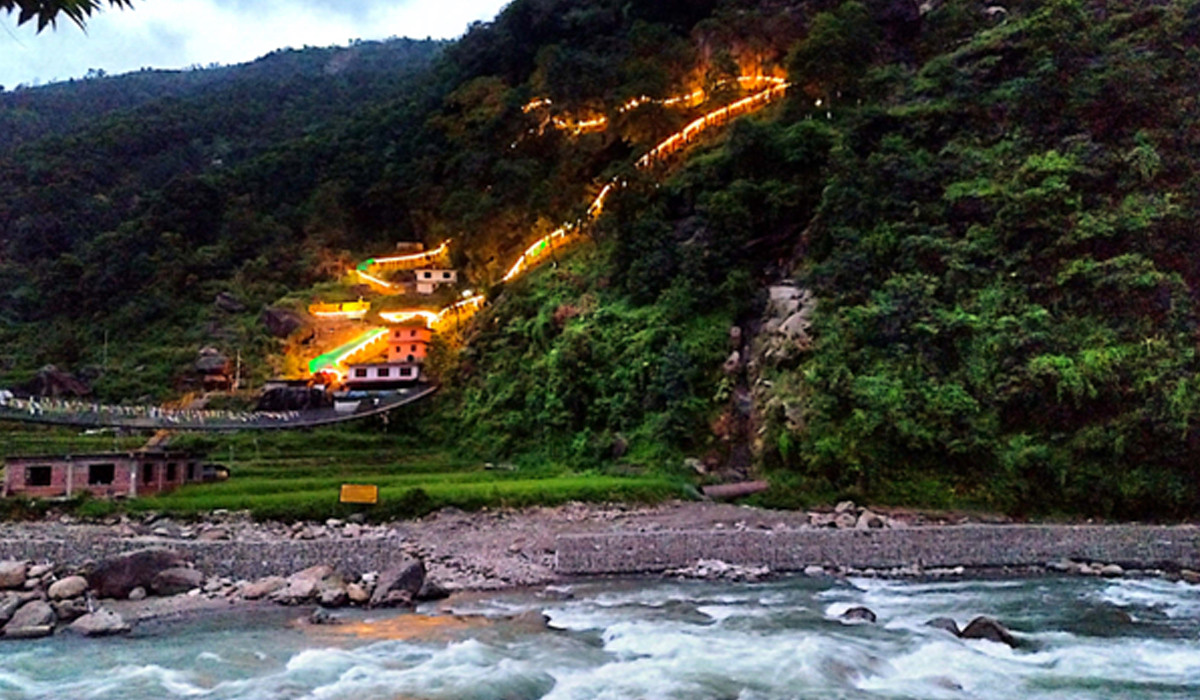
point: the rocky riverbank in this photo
(57, 567)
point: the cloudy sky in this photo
(180, 33)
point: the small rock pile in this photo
(847, 516)
(1111, 570)
(717, 570)
(36, 600)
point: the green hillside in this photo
(991, 208)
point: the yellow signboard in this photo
(360, 493)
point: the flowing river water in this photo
(1081, 638)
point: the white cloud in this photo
(180, 33)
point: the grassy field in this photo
(298, 475)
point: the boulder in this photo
(870, 521)
(67, 610)
(280, 322)
(332, 593)
(987, 628)
(1112, 571)
(117, 576)
(213, 535)
(303, 586)
(33, 619)
(845, 521)
(263, 587)
(176, 580)
(69, 587)
(12, 574)
(138, 593)
(432, 590)
(814, 570)
(211, 361)
(845, 507)
(101, 623)
(40, 570)
(945, 623)
(357, 594)
(11, 602)
(858, 614)
(1190, 576)
(408, 576)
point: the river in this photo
(1081, 638)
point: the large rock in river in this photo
(116, 577)
(984, 627)
(406, 577)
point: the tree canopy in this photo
(48, 11)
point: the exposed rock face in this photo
(405, 577)
(33, 619)
(116, 577)
(280, 322)
(987, 628)
(101, 623)
(69, 587)
(859, 614)
(176, 580)
(12, 574)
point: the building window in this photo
(413, 334)
(445, 275)
(192, 473)
(411, 358)
(360, 372)
(170, 471)
(101, 474)
(428, 275)
(147, 473)
(406, 372)
(37, 476)
(383, 372)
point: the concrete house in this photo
(105, 475)
(429, 280)
(409, 343)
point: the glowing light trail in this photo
(334, 360)
(350, 309)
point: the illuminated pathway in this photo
(83, 414)
(335, 360)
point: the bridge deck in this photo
(83, 415)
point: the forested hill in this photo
(343, 77)
(988, 210)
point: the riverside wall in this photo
(982, 546)
(232, 558)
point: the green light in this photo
(336, 356)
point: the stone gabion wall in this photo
(968, 546)
(238, 560)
